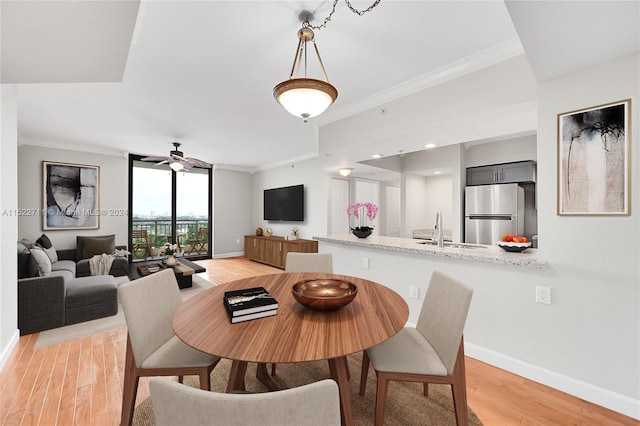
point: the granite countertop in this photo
(479, 253)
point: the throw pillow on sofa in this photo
(48, 248)
(44, 241)
(26, 268)
(42, 261)
(87, 247)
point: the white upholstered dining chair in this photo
(309, 262)
(152, 347)
(315, 404)
(433, 352)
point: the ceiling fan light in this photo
(305, 97)
(176, 166)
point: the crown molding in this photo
(48, 143)
(234, 168)
(477, 61)
(299, 158)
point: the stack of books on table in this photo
(249, 304)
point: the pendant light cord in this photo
(333, 9)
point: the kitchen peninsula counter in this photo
(488, 254)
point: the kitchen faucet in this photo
(440, 230)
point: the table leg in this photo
(236, 376)
(338, 368)
(263, 376)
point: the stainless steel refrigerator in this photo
(492, 211)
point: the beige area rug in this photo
(88, 328)
(405, 405)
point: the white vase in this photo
(171, 260)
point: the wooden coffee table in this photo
(183, 271)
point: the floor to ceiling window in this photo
(168, 207)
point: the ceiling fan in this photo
(177, 161)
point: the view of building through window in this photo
(151, 203)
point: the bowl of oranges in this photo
(514, 243)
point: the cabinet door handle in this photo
(495, 176)
(280, 246)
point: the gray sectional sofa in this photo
(67, 294)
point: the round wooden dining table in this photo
(296, 333)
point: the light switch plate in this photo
(414, 292)
(543, 295)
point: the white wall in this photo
(494, 102)
(426, 196)
(439, 192)
(594, 258)
(114, 196)
(506, 151)
(232, 212)
(416, 204)
(587, 342)
(316, 194)
(8, 222)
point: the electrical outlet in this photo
(237, 240)
(543, 295)
(414, 292)
(365, 263)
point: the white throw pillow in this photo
(42, 260)
(52, 253)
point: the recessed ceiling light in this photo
(376, 156)
(430, 145)
(437, 172)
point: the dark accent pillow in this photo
(80, 243)
(97, 245)
(44, 242)
(24, 261)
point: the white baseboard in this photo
(226, 255)
(597, 395)
(7, 350)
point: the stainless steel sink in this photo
(452, 245)
(465, 245)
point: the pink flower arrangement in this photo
(357, 210)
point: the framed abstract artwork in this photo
(594, 160)
(70, 196)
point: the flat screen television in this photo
(284, 204)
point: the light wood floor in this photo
(80, 382)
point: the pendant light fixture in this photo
(303, 96)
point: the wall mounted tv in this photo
(284, 204)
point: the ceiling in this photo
(129, 76)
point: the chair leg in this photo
(273, 369)
(381, 397)
(459, 389)
(205, 379)
(130, 387)
(425, 389)
(364, 372)
(180, 379)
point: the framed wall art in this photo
(70, 196)
(594, 160)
